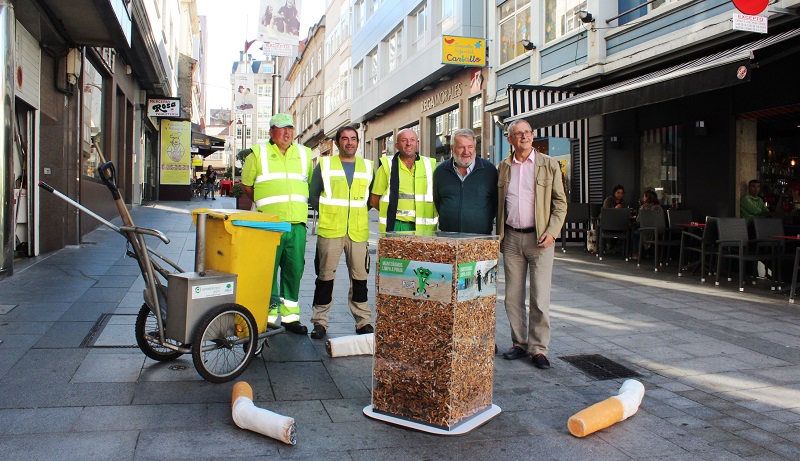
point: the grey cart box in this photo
(191, 296)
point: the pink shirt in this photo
(519, 198)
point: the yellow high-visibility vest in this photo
(281, 188)
(342, 209)
(416, 207)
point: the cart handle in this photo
(145, 231)
(109, 176)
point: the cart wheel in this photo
(215, 343)
(146, 322)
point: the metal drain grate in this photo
(599, 367)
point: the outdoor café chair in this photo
(734, 244)
(703, 245)
(615, 225)
(653, 230)
(576, 221)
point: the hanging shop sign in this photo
(163, 107)
(463, 51)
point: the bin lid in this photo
(239, 215)
(244, 218)
(281, 226)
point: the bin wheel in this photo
(224, 343)
(146, 322)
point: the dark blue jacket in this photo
(470, 206)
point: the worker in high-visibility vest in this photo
(340, 191)
(276, 177)
(403, 188)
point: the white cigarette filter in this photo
(351, 345)
(608, 412)
(248, 416)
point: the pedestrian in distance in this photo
(340, 187)
(276, 177)
(211, 181)
(403, 188)
(532, 206)
(465, 188)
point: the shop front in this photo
(454, 102)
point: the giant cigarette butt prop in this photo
(248, 416)
(351, 345)
(608, 412)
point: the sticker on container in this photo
(477, 279)
(212, 290)
(415, 279)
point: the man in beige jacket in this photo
(530, 212)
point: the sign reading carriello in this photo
(442, 97)
(463, 51)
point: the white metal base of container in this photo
(463, 427)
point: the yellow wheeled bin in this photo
(244, 243)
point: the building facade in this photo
(651, 95)
(304, 90)
(83, 71)
(400, 81)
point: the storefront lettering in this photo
(441, 97)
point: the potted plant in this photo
(243, 202)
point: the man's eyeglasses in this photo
(522, 134)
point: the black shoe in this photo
(515, 353)
(296, 327)
(366, 329)
(318, 332)
(212, 198)
(540, 361)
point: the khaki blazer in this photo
(551, 201)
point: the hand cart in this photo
(187, 312)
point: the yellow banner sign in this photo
(463, 51)
(176, 139)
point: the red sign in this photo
(751, 7)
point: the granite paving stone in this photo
(719, 368)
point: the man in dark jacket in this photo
(465, 188)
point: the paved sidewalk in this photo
(721, 370)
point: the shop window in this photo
(515, 24)
(660, 163)
(386, 144)
(93, 115)
(560, 19)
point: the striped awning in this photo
(542, 106)
(526, 98)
